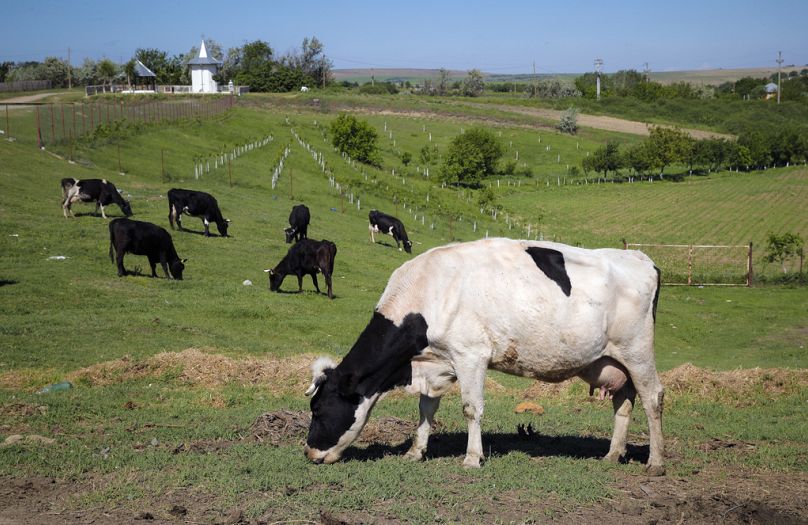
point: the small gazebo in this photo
(202, 69)
(142, 72)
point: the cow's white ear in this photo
(269, 271)
(318, 369)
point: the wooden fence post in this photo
(749, 273)
(8, 128)
(690, 265)
(38, 129)
(53, 125)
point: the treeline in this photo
(793, 86)
(254, 64)
(667, 146)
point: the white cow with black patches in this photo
(536, 309)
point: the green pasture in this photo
(59, 315)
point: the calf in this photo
(298, 223)
(306, 257)
(144, 238)
(195, 204)
(100, 191)
(383, 223)
(536, 309)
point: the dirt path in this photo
(600, 121)
(26, 98)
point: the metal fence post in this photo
(8, 127)
(749, 273)
(38, 129)
(690, 265)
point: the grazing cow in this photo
(195, 204)
(536, 309)
(298, 223)
(144, 238)
(306, 257)
(383, 223)
(100, 191)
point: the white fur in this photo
(318, 368)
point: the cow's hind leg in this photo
(471, 378)
(427, 406)
(623, 402)
(646, 381)
(119, 261)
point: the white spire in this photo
(203, 52)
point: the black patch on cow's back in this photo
(551, 262)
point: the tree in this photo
(406, 158)
(667, 146)
(638, 158)
(604, 159)
(568, 123)
(106, 70)
(255, 66)
(55, 70)
(5, 67)
(168, 70)
(473, 84)
(471, 156)
(780, 248)
(442, 86)
(356, 138)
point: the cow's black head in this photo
(275, 280)
(222, 226)
(408, 246)
(126, 208)
(177, 268)
(290, 234)
(338, 413)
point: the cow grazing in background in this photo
(100, 191)
(195, 204)
(383, 223)
(306, 257)
(298, 223)
(144, 238)
(536, 309)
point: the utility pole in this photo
(535, 81)
(598, 65)
(647, 72)
(69, 76)
(779, 66)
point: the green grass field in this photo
(148, 439)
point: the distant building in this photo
(771, 90)
(144, 77)
(202, 69)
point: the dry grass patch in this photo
(201, 367)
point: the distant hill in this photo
(700, 76)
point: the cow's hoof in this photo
(414, 455)
(471, 462)
(613, 457)
(655, 471)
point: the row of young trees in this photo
(666, 146)
(255, 64)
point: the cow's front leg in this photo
(104, 215)
(300, 283)
(164, 264)
(207, 227)
(179, 221)
(427, 406)
(471, 378)
(370, 228)
(153, 265)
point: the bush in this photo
(568, 123)
(356, 138)
(471, 157)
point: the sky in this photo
(495, 37)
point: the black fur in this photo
(551, 262)
(656, 293)
(306, 257)
(299, 223)
(196, 204)
(380, 360)
(144, 238)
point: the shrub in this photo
(471, 157)
(356, 138)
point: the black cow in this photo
(299, 223)
(144, 238)
(383, 223)
(100, 191)
(306, 257)
(195, 204)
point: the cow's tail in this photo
(656, 293)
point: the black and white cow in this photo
(144, 238)
(100, 191)
(195, 204)
(383, 223)
(298, 223)
(536, 309)
(305, 257)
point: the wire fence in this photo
(701, 265)
(51, 124)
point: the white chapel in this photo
(202, 69)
